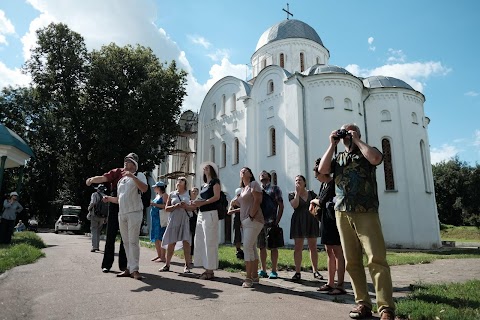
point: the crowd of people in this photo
(344, 214)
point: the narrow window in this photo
(236, 153)
(273, 146)
(224, 102)
(282, 60)
(264, 64)
(212, 153)
(414, 118)
(359, 110)
(234, 102)
(426, 180)
(347, 104)
(270, 86)
(224, 154)
(328, 103)
(318, 60)
(386, 116)
(302, 62)
(387, 165)
(274, 178)
(214, 111)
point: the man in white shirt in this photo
(130, 215)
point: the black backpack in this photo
(222, 206)
(146, 196)
(101, 208)
(269, 207)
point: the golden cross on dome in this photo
(288, 11)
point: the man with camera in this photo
(358, 222)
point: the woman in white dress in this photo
(177, 234)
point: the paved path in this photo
(68, 284)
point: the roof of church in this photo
(288, 29)
(385, 82)
(324, 68)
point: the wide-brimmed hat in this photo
(13, 193)
(159, 184)
(133, 157)
(210, 163)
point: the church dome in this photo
(322, 68)
(385, 82)
(288, 29)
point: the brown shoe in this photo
(124, 274)
(387, 314)
(361, 312)
(136, 275)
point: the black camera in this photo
(341, 133)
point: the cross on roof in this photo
(288, 12)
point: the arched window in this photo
(270, 87)
(302, 62)
(274, 178)
(386, 116)
(212, 153)
(426, 179)
(214, 111)
(318, 60)
(359, 110)
(236, 151)
(328, 103)
(414, 118)
(387, 165)
(282, 60)
(224, 155)
(224, 102)
(273, 145)
(348, 104)
(234, 102)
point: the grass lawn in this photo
(25, 248)
(459, 234)
(442, 301)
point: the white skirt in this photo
(206, 240)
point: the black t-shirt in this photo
(206, 193)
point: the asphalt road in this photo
(68, 284)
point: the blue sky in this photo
(432, 45)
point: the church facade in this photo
(281, 119)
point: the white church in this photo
(280, 121)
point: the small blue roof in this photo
(325, 68)
(385, 82)
(10, 138)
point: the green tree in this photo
(134, 103)
(456, 185)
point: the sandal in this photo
(297, 276)
(248, 283)
(317, 275)
(337, 291)
(360, 312)
(206, 276)
(165, 268)
(256, 280)
(325, 288)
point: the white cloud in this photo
(200, 41)
(445, 152)
(396, 56)
(219, 55)
(476, 141)
(471, 93)
(226, 68)
(6, 27)
(414, 73)
(370, 42)
(12, 77)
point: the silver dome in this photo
(288, 29)
(324, 68)
(385, 82)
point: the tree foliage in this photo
(456, 185)
(84, 111)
